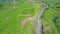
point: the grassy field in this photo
(14, 15)
(20, 18)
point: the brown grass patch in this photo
(28, 20)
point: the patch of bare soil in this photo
(7, 18)
(28, 20)
(48, 28)
(29, 31)
(6, 31)
(25, 15)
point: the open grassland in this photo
(13, 17)
(20, 18)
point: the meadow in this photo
(20, 18)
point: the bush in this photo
(1, 6)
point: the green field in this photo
(13, 14)
(20, 18)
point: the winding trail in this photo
(38, 22)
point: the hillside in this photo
(20, 17)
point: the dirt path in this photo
(38, 21)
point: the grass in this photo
(47, 20)
(13, 14)
(51, 18)
(11, 17)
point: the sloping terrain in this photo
(21, 17)
(14, 15)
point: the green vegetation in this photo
(48, 23)
(51, 18)
(13, 15)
